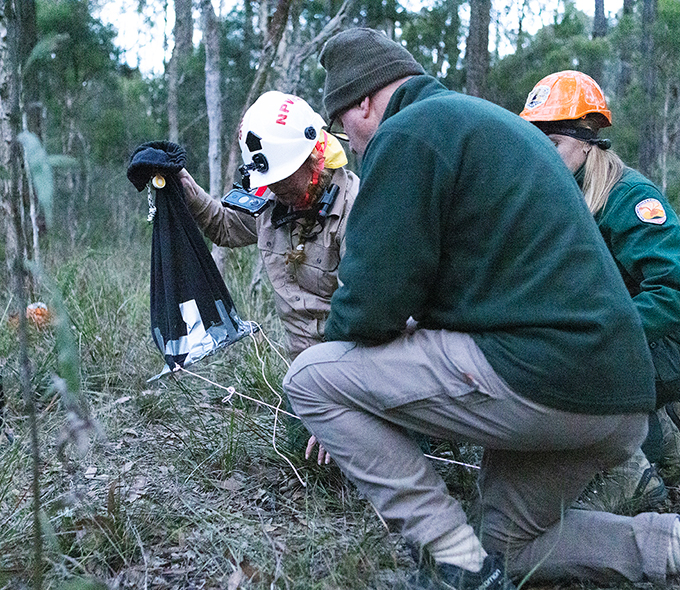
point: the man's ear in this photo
(365, 107)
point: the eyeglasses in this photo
(336, 130)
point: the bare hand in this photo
(323, 457)
(190, 186)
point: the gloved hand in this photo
(155, 157)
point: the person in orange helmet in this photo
(642, 232)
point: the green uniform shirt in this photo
(467, 220)
(642, 232)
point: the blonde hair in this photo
(603, 169)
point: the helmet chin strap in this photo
(577, 132)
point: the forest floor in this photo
(176, 483)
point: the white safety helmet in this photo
(277, 134)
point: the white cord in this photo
(232, 391)
(277, 409)
(272, 344)
(452, 461)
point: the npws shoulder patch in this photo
(650, 211)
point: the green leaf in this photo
(45, 48)
(62, 161)
(40, 171)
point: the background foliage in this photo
(97, 109)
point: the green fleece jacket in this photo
(467, 220)
(642, 232)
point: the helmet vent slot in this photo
(253, 142)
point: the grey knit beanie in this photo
(359, 62)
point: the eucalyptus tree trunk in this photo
(20, 23)
(599, 20)
(293, 60)
(648, 140)
(183, 33)
(477, 51)
(8, 94)
(13, 206)
(670, 130)
(521, 35)
(213, 95)
(599, 31)
(625, 53)
(213, 102)
(31, 83)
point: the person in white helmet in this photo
(292, 161)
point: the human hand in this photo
(323, 458)
(411, 325)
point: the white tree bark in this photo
(670, 129)
(293, 60)
(213, 95)
(6, 140)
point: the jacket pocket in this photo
(318, 273)
(666, 356)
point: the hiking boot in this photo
(444, 576)
(669, 465)
(632, 487)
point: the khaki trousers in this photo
(359, 401)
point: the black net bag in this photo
(192, 312)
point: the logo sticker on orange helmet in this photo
(537, 97)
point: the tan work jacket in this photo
(302, 290)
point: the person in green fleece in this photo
(642, 232)
(527, 341)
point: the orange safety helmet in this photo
(566, 95)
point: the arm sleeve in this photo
(221, 225)
(650, 254)
(392, 243)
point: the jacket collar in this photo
(282, 215)
(411, 91)
(339, 178)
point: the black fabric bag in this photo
(192, 312)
